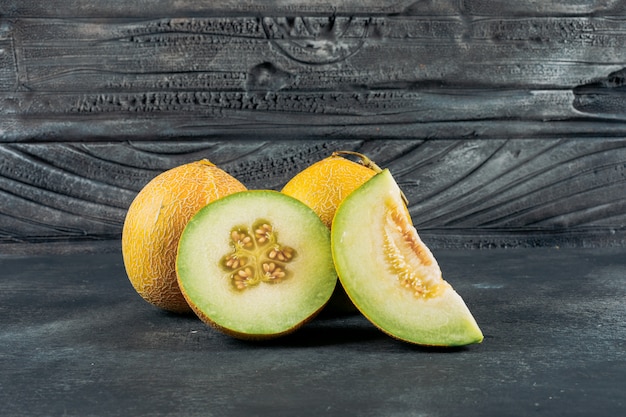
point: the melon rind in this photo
(357, 245)
(155, 220)
(323, 185)
(265, 310)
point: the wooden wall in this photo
(503, 121)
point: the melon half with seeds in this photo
(390, 274)
(256, 264)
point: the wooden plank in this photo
(505, 123)
(446, 72)
(131, 9)
(506, 192)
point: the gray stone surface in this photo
(75, 340)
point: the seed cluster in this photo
(406, 256)
(256, 256)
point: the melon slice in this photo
(390, 274)
(256, 264)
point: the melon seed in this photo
(405, 255)
(250, 263)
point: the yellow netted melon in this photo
(155, 221)
(324, 184)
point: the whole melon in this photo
(324, 184)
(156, 219)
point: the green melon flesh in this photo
(390, 275)
(264, 304)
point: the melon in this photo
(155, 220)
(256, 264)
(324, 184)
(390, 275)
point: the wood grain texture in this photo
(470, 193)
(504, 123)
(264, 69)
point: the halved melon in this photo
(389, 273)
(256, 264)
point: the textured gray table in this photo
(75, 340)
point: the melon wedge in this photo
(390, 274)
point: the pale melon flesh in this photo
(256, 264)
(389, 273)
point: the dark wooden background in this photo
(503, 121)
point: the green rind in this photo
(266, 310)
(356, 242)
